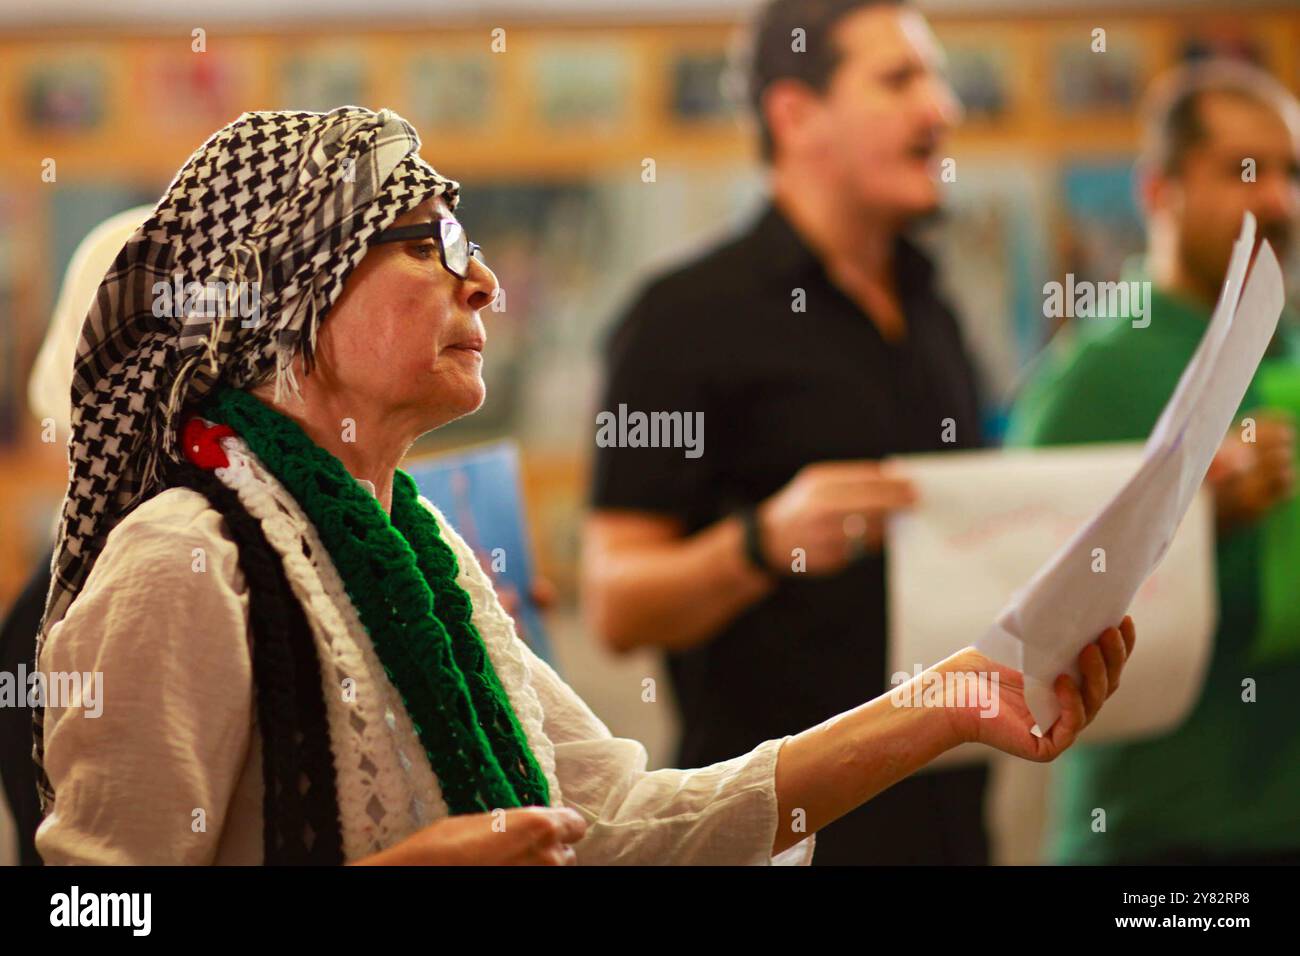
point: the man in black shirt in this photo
(809, 348)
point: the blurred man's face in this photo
(885, 112)
(1208, 196)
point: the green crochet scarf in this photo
(401, 577)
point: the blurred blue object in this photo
(478, 492)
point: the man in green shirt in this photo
(1224, 786)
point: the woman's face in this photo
(405, 334)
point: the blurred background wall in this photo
(548, 124)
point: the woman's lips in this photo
(474, 348)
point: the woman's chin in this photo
(480, 396)
(475, 392)
(445, 406)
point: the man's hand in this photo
(834, 510)
(1010, 730)
(541, 590)
(520, 836)
(1249, 478)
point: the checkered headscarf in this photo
(286, 200)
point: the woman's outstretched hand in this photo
(835, 767)
(1010, 729)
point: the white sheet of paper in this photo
(1065, 606)
(987, 520)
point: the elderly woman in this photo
(302, 661)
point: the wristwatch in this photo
(748, 515)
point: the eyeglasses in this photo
(454, 247)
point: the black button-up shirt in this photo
(781, 388)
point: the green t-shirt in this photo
(1228, 779)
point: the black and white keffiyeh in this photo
(276, 209)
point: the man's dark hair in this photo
(1171, 115)
(777, 52)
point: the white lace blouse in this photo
(170, 772)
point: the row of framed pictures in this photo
(583, 82)
(572, 84)
(1087, 73)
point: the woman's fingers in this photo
(1116, 648)
(1101, 664)
(572, 825)
(550, 831)
(1129, 633)
(1072, 718)
(558, 854)
(1095, 685)
(1114, 655)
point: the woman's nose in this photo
(480, 287)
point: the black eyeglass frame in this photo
(432, 230)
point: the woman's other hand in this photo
(520, 836)
(1010, 729)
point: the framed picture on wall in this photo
(582, 84)
(179, 89)
(1221, 38)
(700, 86)
(322, 80)
(978, 74)
(65, 96)
(1084, 79)
(451, 90)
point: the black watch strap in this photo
(754, 539)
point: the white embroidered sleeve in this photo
(150, 778)
(722, 814)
